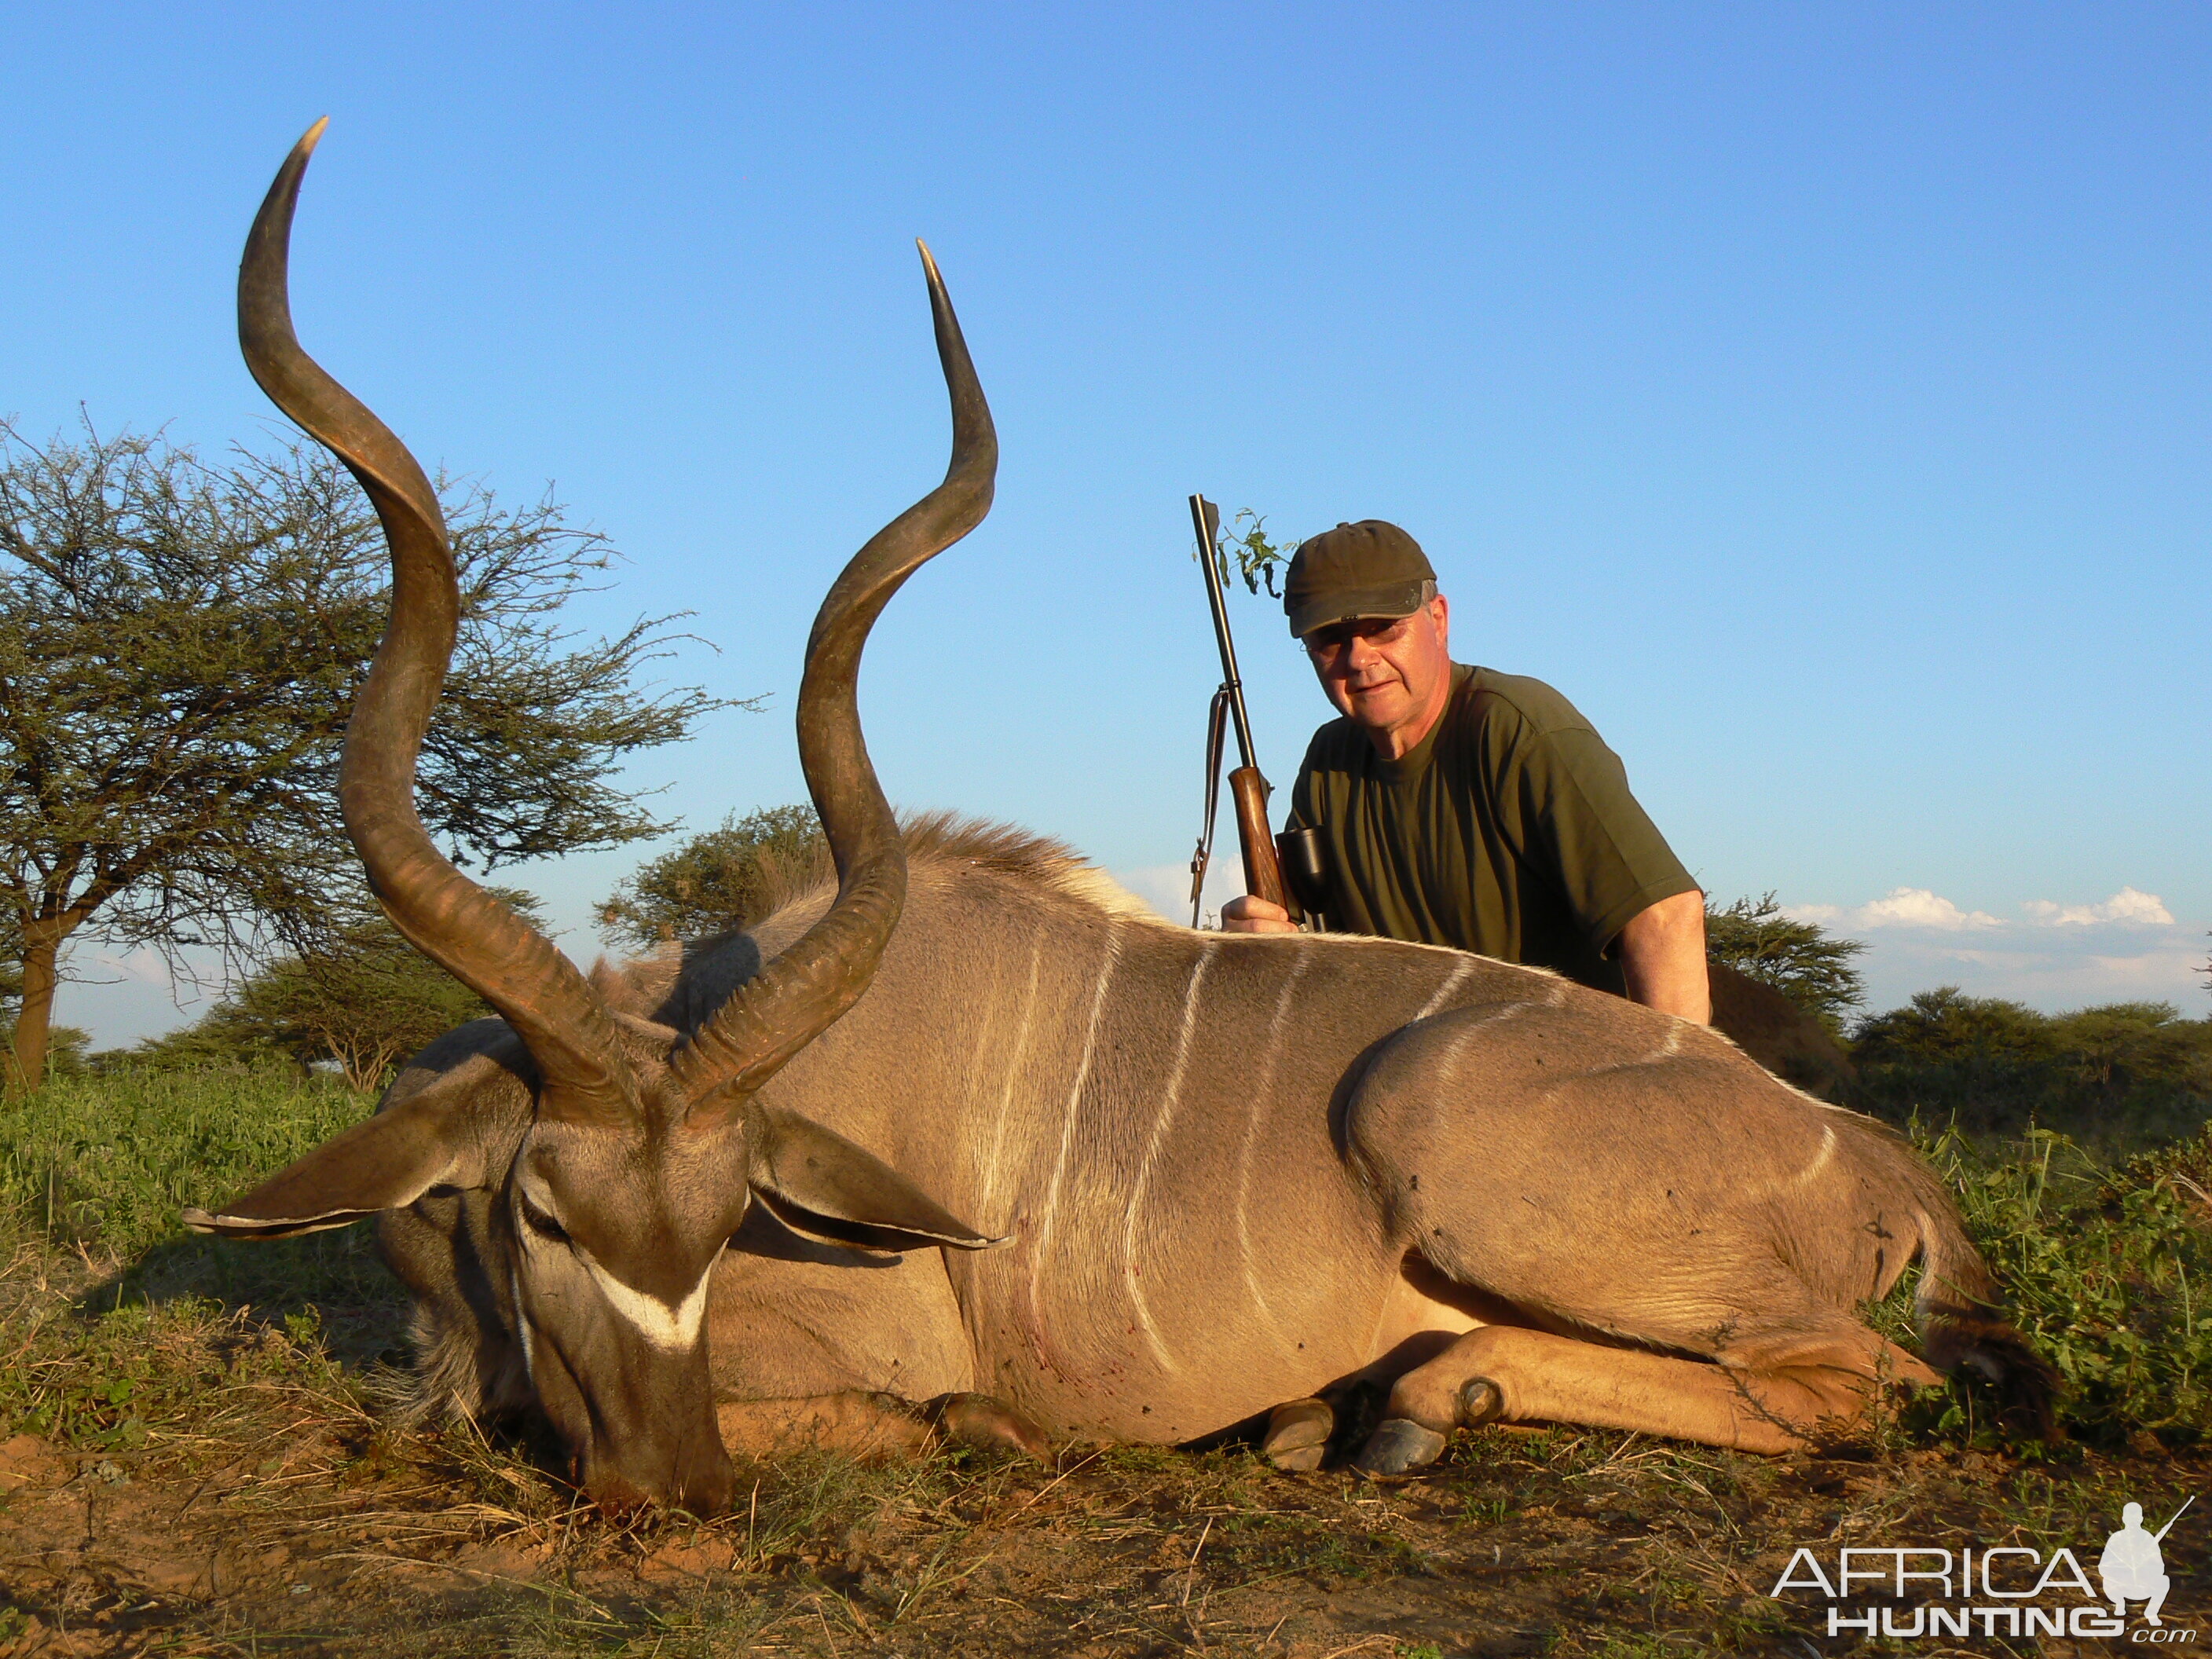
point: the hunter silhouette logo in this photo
(2131, 1566)
(1997, 1591)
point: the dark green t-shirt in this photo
(1509, 830)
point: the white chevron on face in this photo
(672, 1326)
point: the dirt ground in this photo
(263, 1505)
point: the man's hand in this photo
(1256, 915)
(1662, 955)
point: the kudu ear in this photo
(389, 1161)
(821, 1185)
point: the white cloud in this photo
(143, 967)
(2163, 972)
(1916, 906)
(1165, 887)
(1902, 907)
(2128, 908)
(121, 995)
(2127, 947)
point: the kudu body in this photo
(1232, 1175)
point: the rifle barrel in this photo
(1206, 518)
(2159, 1537)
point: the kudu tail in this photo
(1960, 1315)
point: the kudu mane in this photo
(1049, 865)
(935, 841)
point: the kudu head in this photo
(615, 1179)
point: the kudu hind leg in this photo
(1773, 1401)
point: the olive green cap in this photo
(1365, 569)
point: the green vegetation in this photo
(363, 1000)
(179, 644)
(1259, 556)
(98, 1168)
(724, 879)
(2117, 1076)
(1797, 958)
(67, 1049)
(2105, 1269)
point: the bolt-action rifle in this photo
(1264, 855)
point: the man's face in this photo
(1392, 676)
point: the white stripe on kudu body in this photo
(1012, 1074)
(1262, 1098)
(1811, 1172)
(1451, 984)
(1161, 1118)
(1043, 1246)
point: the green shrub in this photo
(2120, 1075)
(67, 1049)
(2125, 1046)
(722, 878)
(101, 1167)
(363, 998)
(2106, 1272)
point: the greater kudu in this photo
(1236, 1174)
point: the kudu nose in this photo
(696, 1478)
(615, 1496)
(709, 1490)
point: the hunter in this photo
(1461, 806)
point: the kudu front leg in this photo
(1767, 1402)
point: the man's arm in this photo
(1662, 957)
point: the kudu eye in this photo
(543, 1225)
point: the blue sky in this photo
(1816, 395)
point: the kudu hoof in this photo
(1297, 1434)
(978, 1420)
(1398, 1446)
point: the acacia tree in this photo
(1797, 958)
(364, 998)
(180, 643)
(718, 880)
(67, 1047)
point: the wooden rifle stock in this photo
(1263, 869)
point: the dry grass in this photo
(196, 1463)
(246, 1496)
